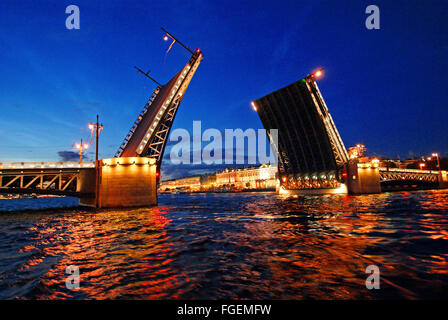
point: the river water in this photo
(226, 246)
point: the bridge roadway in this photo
(368, 177)
(56, 178)
(407, 174)
(364, 178)
(410, 179)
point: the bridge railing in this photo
(408, 170)
(46, 165)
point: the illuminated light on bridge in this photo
(318, 73)
(253, 106)
(44, 165)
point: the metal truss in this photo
(336, 143)
(407, 175)
(137, 122)
(149, 133)
(157, 144)
(45, 181)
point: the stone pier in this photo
(120, 182)
(363, 178)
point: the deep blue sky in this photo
(387, 87)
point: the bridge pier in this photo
(120, 182)
(443, 180)
(363, 178)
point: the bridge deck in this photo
(57, 178)
(45, 165)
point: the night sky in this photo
(386, 88)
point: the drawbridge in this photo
(149, 133)
(311, 154)
(130, 178)
(310, 150)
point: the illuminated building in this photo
(263, 177)
(187, 184)
(357, 151)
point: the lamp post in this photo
(96, 127)
(169, 35)
(421, 166)
(81, 147)
(438, 161)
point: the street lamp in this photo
(95, 129)
(438, 161)
(422, 165)
(81, 146)
(168, 35)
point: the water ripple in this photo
(246, 246)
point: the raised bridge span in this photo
(312, 157)
(128, 179)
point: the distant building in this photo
(188, 184)
(357, 151)
(208, 182)
(263, 177)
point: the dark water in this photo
(254, 245)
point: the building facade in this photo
(187, 184)
(262, 177)
(254, 178)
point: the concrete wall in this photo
(363, 178)
(86, 184)
(124, 182)
(443, 180)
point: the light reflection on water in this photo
(247, 245)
